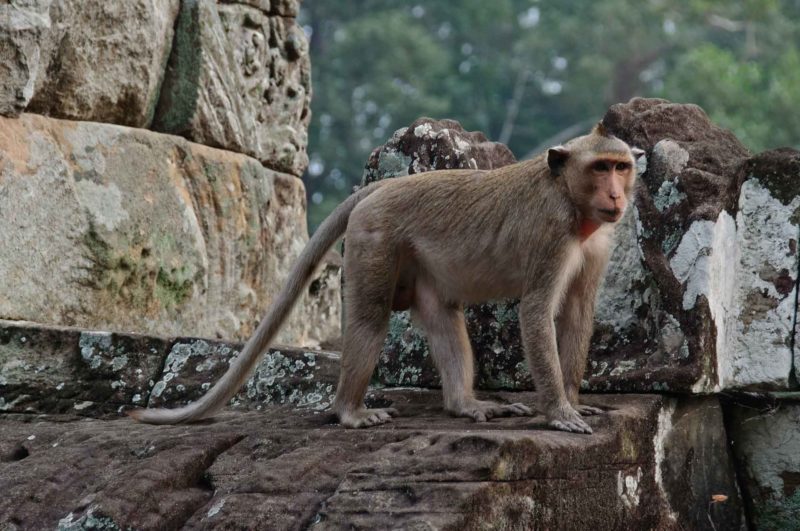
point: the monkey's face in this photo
(599, 172)
(606, 181)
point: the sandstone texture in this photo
(90, 60)
(286, 468)
(128, 230)
(239, 78)
(700, 295)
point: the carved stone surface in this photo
(648, 465)
(284, 8)
(239, 78)
(90, 60)
(123, 229)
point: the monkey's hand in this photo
(483, 410)
(363, 417)
(587, 411)
(565, 418)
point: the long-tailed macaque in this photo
(538, 230)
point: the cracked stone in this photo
(284, 468)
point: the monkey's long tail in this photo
(323, 239)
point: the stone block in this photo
(90, 60)
(65, 370)
(700, 293)
(107, 227)
(652, 463)
(301, 378)
(239, 78)
(62, 370)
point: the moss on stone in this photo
(172, 287)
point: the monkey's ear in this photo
(556, 158)
(637, 153)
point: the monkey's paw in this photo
(483, 410)
(567, 419)
(587, 411)
(363, 417)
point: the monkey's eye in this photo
(623, 166)
(600, 166)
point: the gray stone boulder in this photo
(429, 144)
(90, 60)
(129, 230)
(239, 78)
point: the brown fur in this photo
(436, 241)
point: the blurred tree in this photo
(530, 73)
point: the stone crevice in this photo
(794, 378)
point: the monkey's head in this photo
(599, 171)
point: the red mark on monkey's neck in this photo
(586, 228)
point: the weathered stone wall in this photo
(239, 78)
(127, 229)
(88, 60)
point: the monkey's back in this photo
(474, 231)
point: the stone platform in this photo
(652, 463)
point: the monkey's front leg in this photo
(574, 328)
(539, 341)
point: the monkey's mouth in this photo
(610, 215)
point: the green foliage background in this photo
(530, 73)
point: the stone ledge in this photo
(650, 464)
(57, 370)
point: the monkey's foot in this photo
(483, 410)
(363, 417)
(566, 418)
(587, 411)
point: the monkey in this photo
(539, 230)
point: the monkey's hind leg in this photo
(446, 331)
(368, 289)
